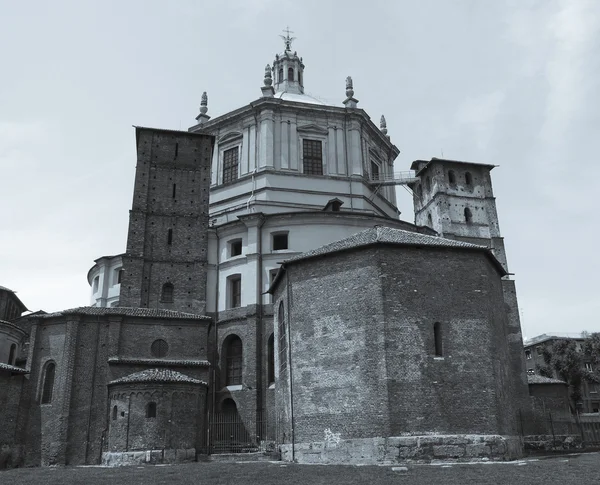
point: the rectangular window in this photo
(528, 354)
(235, 247)
(374, 171)
(230, 165)
(312, 157)
(235, 291)
(280, 241)
(120, 276)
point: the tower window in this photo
(300, 77)
(280, 75)
(95, 284)
(437, 338)
(11, 355)
(312, 157)
(159, 348)
(233, 361)
(230, 165)
(176, 149)
(114, 413)
(48, 385)
(170, 237)
(151, 410)
(451, 177)
(120, 275)
(429, 220)
(174, 190)
(280, 241)
(374, 171)
(468, 215)
(290, 74)
(167, 293)
(282, 336)
(234, 292)
(235, 247)
(468, 178)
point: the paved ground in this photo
(583, 469)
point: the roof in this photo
(388, 235)
(12, 325)
(14, 294)
(157, 375)
(126, 311)
(414, 165)
(535, 379)
(538, 339)
(299, 98)
(13, 369)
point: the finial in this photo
(268, 79)
(349, 88)
(204, 103)
(287, 39)
(202, 117)
(383, 125)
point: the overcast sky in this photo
(511, 83)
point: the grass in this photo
(564, 470)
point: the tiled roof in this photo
(381, 234)
(535, 379)
(129, 312)
(162, 362)
(14, 369)
(157, 375)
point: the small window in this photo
(437, 337)
(528, 354)
(174, 190)
(468, 215)
(468, 178)
(451, 177)
(280, 241)
(271, 359)
(114, 413)
(120, 273)
(48, 386)
(300, 77)
(282, 337)
(167, 293)
(95, 284)
(151, 410)
(429, 220)
(11, 355)
(234, 361)
(235, 291)
(170, 237)
(280, 75)
(290, 74)
(312, 157)
(374, 170)
(235, 248)
(159, 348)
(230, 165)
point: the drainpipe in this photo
(289, 333)
(259, 320)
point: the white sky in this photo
(512, 83)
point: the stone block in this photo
(448, 451)
(477, 450)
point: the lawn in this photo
(566, 469)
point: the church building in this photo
(270, 298)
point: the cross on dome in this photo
(287, 39)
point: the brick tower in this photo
(166, 257)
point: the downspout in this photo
(346, 159)
(259, 320)
(289, 301)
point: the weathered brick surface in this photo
(170, 194)
(363, 364)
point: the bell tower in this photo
(288, 69)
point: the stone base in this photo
(150, 457)
(543, 443)
(406, 449)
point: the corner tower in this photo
(165, 262)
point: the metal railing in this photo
(230, 433)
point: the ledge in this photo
(161, 362)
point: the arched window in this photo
(280, 75)
(48, 385)
(151, 410)
(428, 184)
(114, 413)
(233, 361)
(282, 337)
(159, 348)
(468, 215)
(271, 359)
(451, 177)
(437, 339)
(11, 355)
(167, 293)
(429, 220)
(300, 77)
(468, 178)
(228, 406)
(290, 74)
